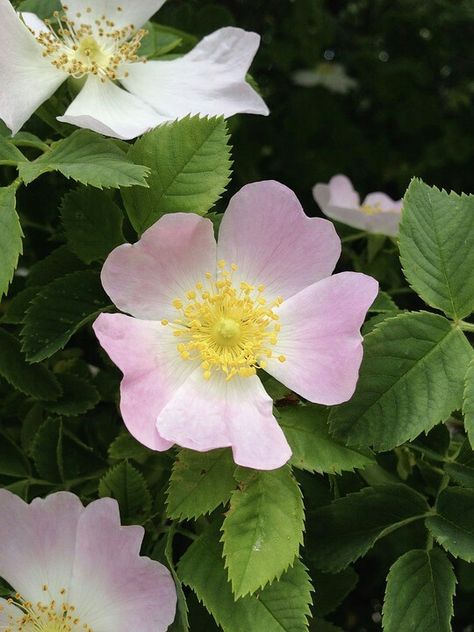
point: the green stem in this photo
(354, 237)
(462, 324)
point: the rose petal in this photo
(171, 257)
(210, 80)
(320, 337)
(121, 12)
(107, 109)
(38, 543)
(112, 587)
(27, 78)
(145, 352)
(267, 234)
(204, 415)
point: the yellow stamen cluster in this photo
(371, 209)
(44, 617)
(96, 47)
(227, 329)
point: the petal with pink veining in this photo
(112, 587)
(320, 337)
(170, 258)
(267, 234)
(38, 542)
(204, 415)
(145, 352)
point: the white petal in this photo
(8, 614)
(121, 12)
(33, 22)
(26, 77)
(105, 108)
(210, 80)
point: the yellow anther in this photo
(165, 322)
(282, 358)
(226, 329)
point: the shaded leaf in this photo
(10, 237)
(453, 524)
(125, 483)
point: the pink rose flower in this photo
(207, 316)
(377, 214)
(76, 569)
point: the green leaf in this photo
(47, 450)
(12, 461)
(462, 470)
(181, 622)
(126, 447)
(283, 606)
(383, 303)
(17, 307)
(92, 222)
(263, 529)
(410, 379)
(332, 588)
(190, 168)
(419, 594)
(33, 380)
(347, 528)
(9, 154)
(78, 397)
(200, 482)
(453, 526)
(58, 263)
(437, 246)
(468, 403)
(314, 449)
(125, 483)
(10, 237)
(59, 310)
(87, 158)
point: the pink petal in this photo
(112, 587)
(145, 352)
(267, 234)
(209, 80)
(38, 543)
(204, 415)
(384, 201)
(170, 258)
(342, 192)
(320, 337)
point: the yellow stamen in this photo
(228, 329)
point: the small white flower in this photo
(378, 213)
(99, 42)
(330, 75)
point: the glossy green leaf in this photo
(92, 222)
(59, 310)
(200, 482)
(419, 594)
(263, 529)
(88, 158)
(437, 247)
(345, 530)
(411, 378)
(453, 524)
(190, 165)
(11, 246)
(307, 432)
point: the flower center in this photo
(96, 47)
(227, 329)
(371, 209)
(55, 616)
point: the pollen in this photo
(55, 615)
(371, 209)
(96, 47)
(229, 329)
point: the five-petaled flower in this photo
(76, 569)
(206, 317)
(98, 42)
(378, 213)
